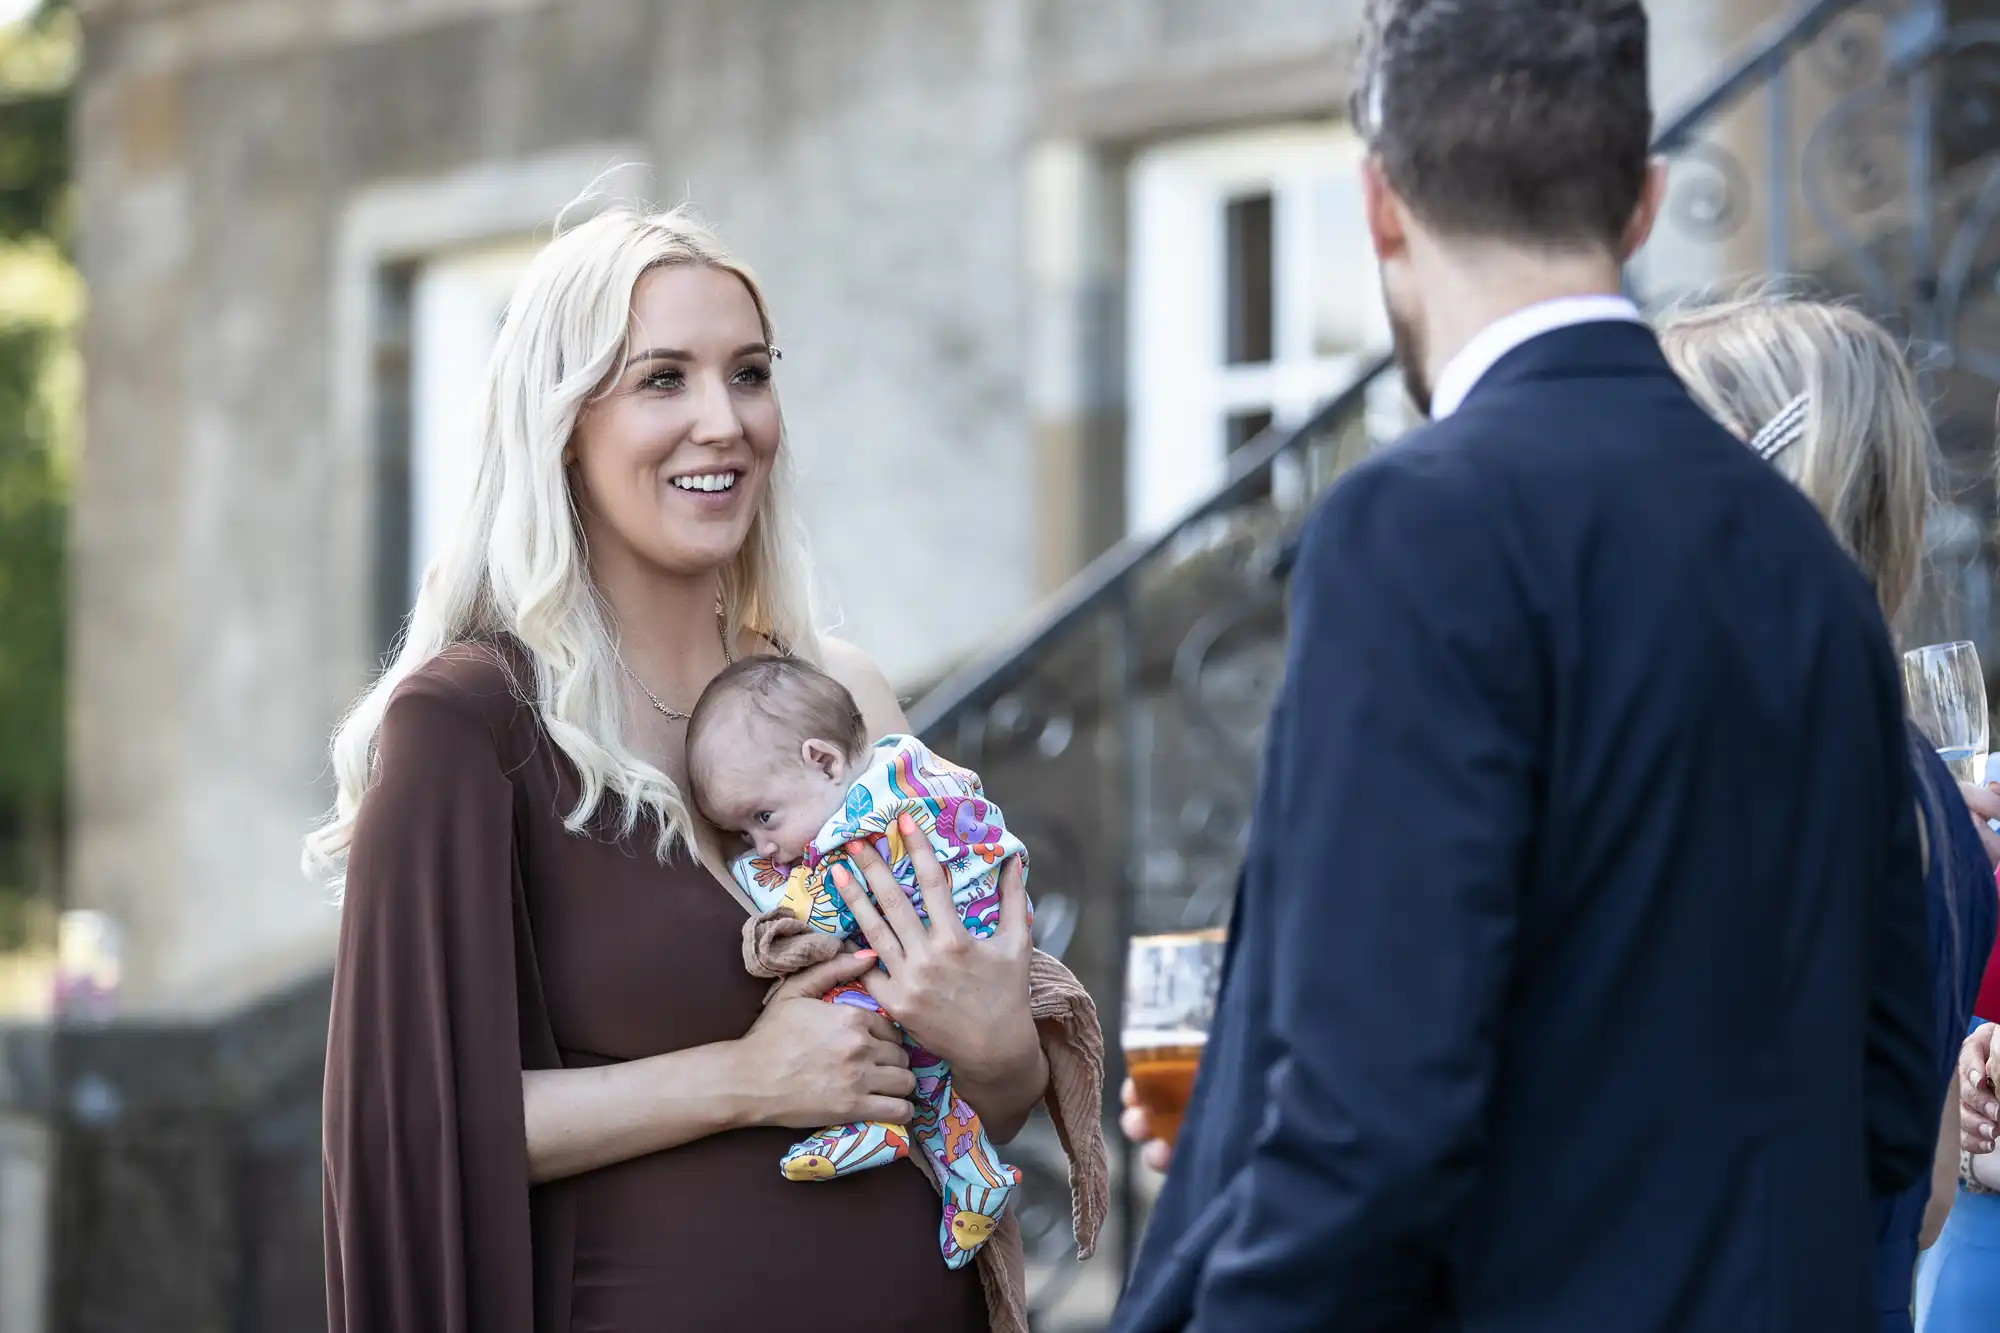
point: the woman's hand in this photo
(1978, 1109)
(1984, 803)
(1138, 1127)
(810, 1063)
(803, 1064)
(965, 999)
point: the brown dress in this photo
(480, 938)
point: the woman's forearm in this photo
(1005, 1097)
(582, 1119)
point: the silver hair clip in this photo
(1783, 430)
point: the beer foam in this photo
(1149, 1039)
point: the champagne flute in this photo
(1171, 983)
(1947, 696)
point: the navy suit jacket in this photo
(1578, 979)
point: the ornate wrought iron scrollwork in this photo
(1022, 731)
(1921, 233)
(1969, 269)
(1968, 108)
(1708, 192)
(1032, 714)
(1854, 160)
(1224, 672)
(1850, 52)
(1898, 173)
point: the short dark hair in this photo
(1527, 121)
(805, 702)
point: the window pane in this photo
(1243, 427)
(456, 307)
(1247, 256)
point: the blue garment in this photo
(1958, 1287)
(1579, 978)
(1959, 891)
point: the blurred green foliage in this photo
(38, 62)
(33, 517)
(38, 383)
(34, 160)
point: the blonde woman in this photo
(553, 1094)
(1828, 398)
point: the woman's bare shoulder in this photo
(871, 689)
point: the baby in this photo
(777, 751)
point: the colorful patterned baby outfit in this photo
(971, 840)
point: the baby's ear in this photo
(824, 756)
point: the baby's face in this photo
(778, 802)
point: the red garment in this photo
(1988, 1004)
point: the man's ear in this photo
(1652, 198)
(1388, 221)
(824, 756)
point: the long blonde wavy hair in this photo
(516, 564)
(1866, 454)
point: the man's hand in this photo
(1138, 1127)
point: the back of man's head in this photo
(1520, 121)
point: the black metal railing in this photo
(1121, 729)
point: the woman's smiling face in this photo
(671, 459)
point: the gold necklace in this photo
(675, 714)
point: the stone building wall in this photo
(930, 192)
(247, 167)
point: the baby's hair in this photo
(801, 700)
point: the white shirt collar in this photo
(1464, 371)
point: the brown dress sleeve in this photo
(425, 1150)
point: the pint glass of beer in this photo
(1170, 987)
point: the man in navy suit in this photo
(1578, 981)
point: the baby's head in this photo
(772, 747)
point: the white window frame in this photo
(385, 226)
(1180, 389)
(456, 305)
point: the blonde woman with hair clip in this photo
(1958, 1283)
(1827, 397)
(554, 1096)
